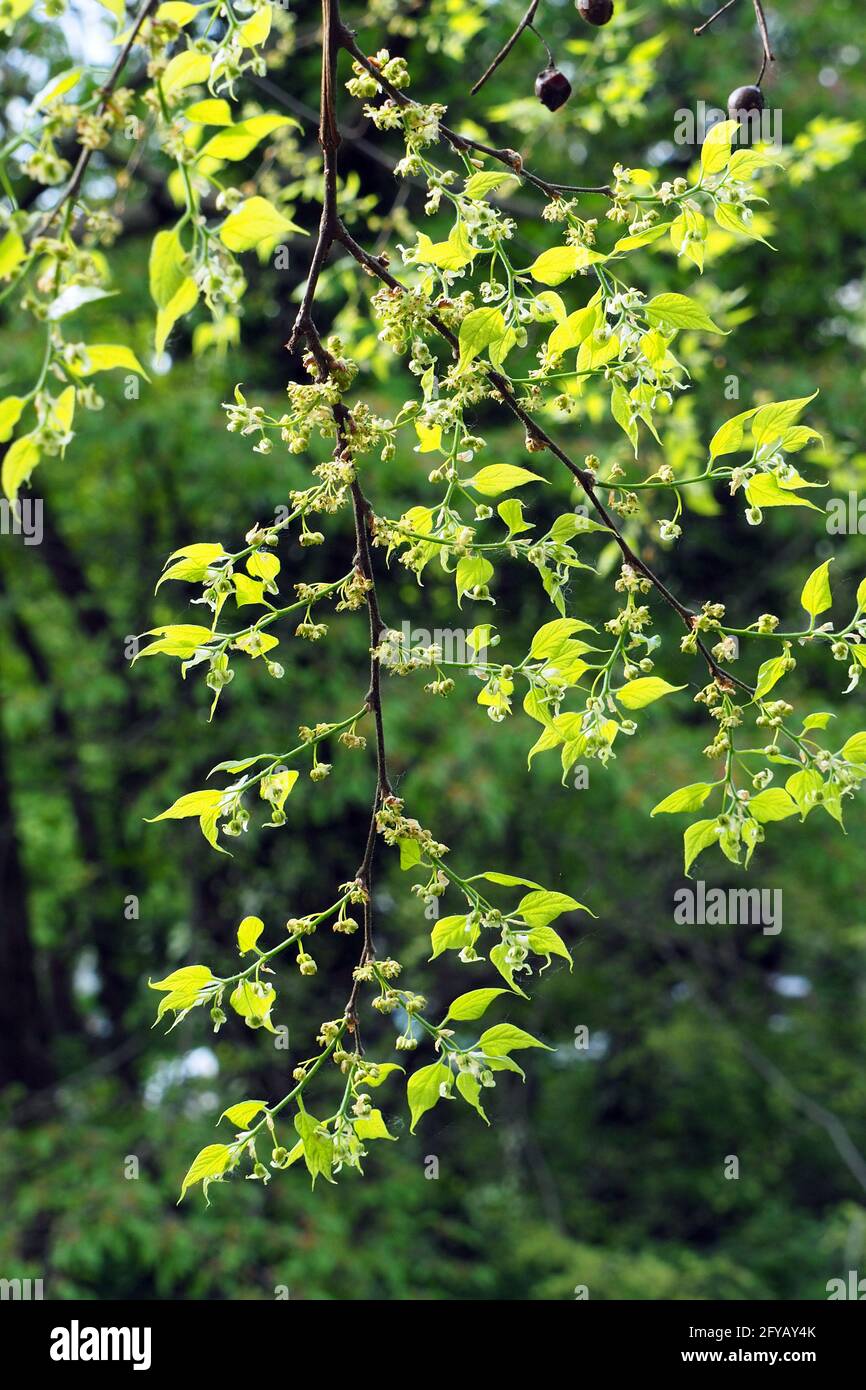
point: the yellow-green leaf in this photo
(210, 1162)
(635, 694)
(249, 932)
(255, 222)
(816, 597)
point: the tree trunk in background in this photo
(26, 1032)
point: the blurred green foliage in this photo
(607, 1169)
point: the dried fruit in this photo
(552, 88)
(745, 99)
(595, 11)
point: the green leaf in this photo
(771, 805)
(210, 1162)
(185, 70)
(803, 787)
(249, 932)
(689, 798)
(207, 805)
(816, 597)
(451, 934)
(190, 804)
(318, 1148)
(678, 311)
(765, 490)
(771, 421)
(235, 142)
(574, 329)
(372, 1126)
(499, 959)
(854, 751)
(769, 673)
(470, 1090)
(544, 941)
(254, 1000)
(11, 411)
(739, 221)
(473, 1004)
(507, 880)
(104, 357)
(472, 572)
(542, 906)
(166, 267)
(12, 253)
(255, 222)
(698, 837)
(482, 183)
(21, 458)
(479, 329)
(180, 304)
(716, 149)
(189, 977)
(644, 238)
(212, 111)
(561, 262)
(497, 478)
(384, 1070)
(817, 721)
(241, 1114)
(504, 1038)
(731, 437)
(178, 639)
(74, 297)
(552, 638)
(424, 1090)
(635, 694)
(178, 12)
(254, 31)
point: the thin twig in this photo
(84, 158)
(525, 23)
(767, 52)
(375, 265)
(304, 329)
(512, 159)
(769, 56)
(713, 17)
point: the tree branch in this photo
(525, 23)
(70, 193)
(512, 159)
(375, 265)
(761, 19)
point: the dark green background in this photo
(605, 1170)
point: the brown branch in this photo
(304, 329)
(769, 56)
(72, 188)
(375, 265)
(761, 19)
(512, 159)
(713, 17)
(525, 23)
(331, 231)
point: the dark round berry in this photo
(745, 99)
(552, 88)
(595, 11)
